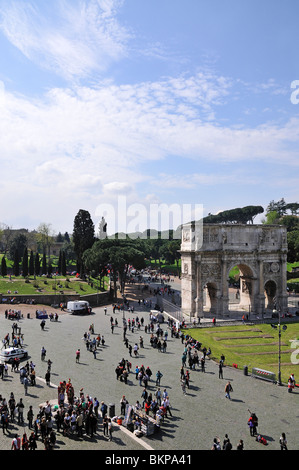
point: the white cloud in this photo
(77, 147)
(82, 37)
(91, 131)
(118, 187)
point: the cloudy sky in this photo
(159, 101)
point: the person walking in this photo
(30, 417)
(32, 441)
(251, 426)
(226, 443)
(103, 409)
(48, 377)
(216, 444)
(283, 442)
(240, 445)
(144, 396)
(110, 429)
(187, 378)
(228, 389)
(43, 353)
(105, 425)
(78, 355)
(167, 406)
(253, 423)
(123, 404)
(79, 424)
(159, 376)
(158, 396)
(220, 370)
(20, 408)
(4, 420)
(16, 443)
(183, 386)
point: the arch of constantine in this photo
(209, 253)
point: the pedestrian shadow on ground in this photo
(268, 438)
(167, 430)
(237, 401)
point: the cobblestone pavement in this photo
(197, 417)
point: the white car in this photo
(9, 354)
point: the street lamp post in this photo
(279, 346)
(279, 350)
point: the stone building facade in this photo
(208, 255)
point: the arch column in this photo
(282, 296)
(199, 288)
(260, 297)
(224, 299)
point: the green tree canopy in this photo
(19, 242)
(293, 246)
(115, 256)
(240, 215)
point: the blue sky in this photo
(159, 101)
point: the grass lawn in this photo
(253, 346)
(43, 285)
(292, 265)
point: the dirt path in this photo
(25, 309)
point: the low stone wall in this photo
(96, 300)
(101, 298)
(38, 299)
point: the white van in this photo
(9, 354)
(78, 307)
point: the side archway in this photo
(211, 297)
(270, 294)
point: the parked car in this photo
(9, 354)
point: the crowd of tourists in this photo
(80, 414)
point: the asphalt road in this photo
(197, 417)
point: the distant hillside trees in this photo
(277, 213)
(281, 207)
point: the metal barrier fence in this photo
(170, 308)
(263, 374)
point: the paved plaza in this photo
(197, 417)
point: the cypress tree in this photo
(50, 269)
(37, 265)
(16, 266)
(31, 264)
(3, 267)
(59, 263)
(25, 263)
(63, 264)
(83, 236)
(44, 265)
